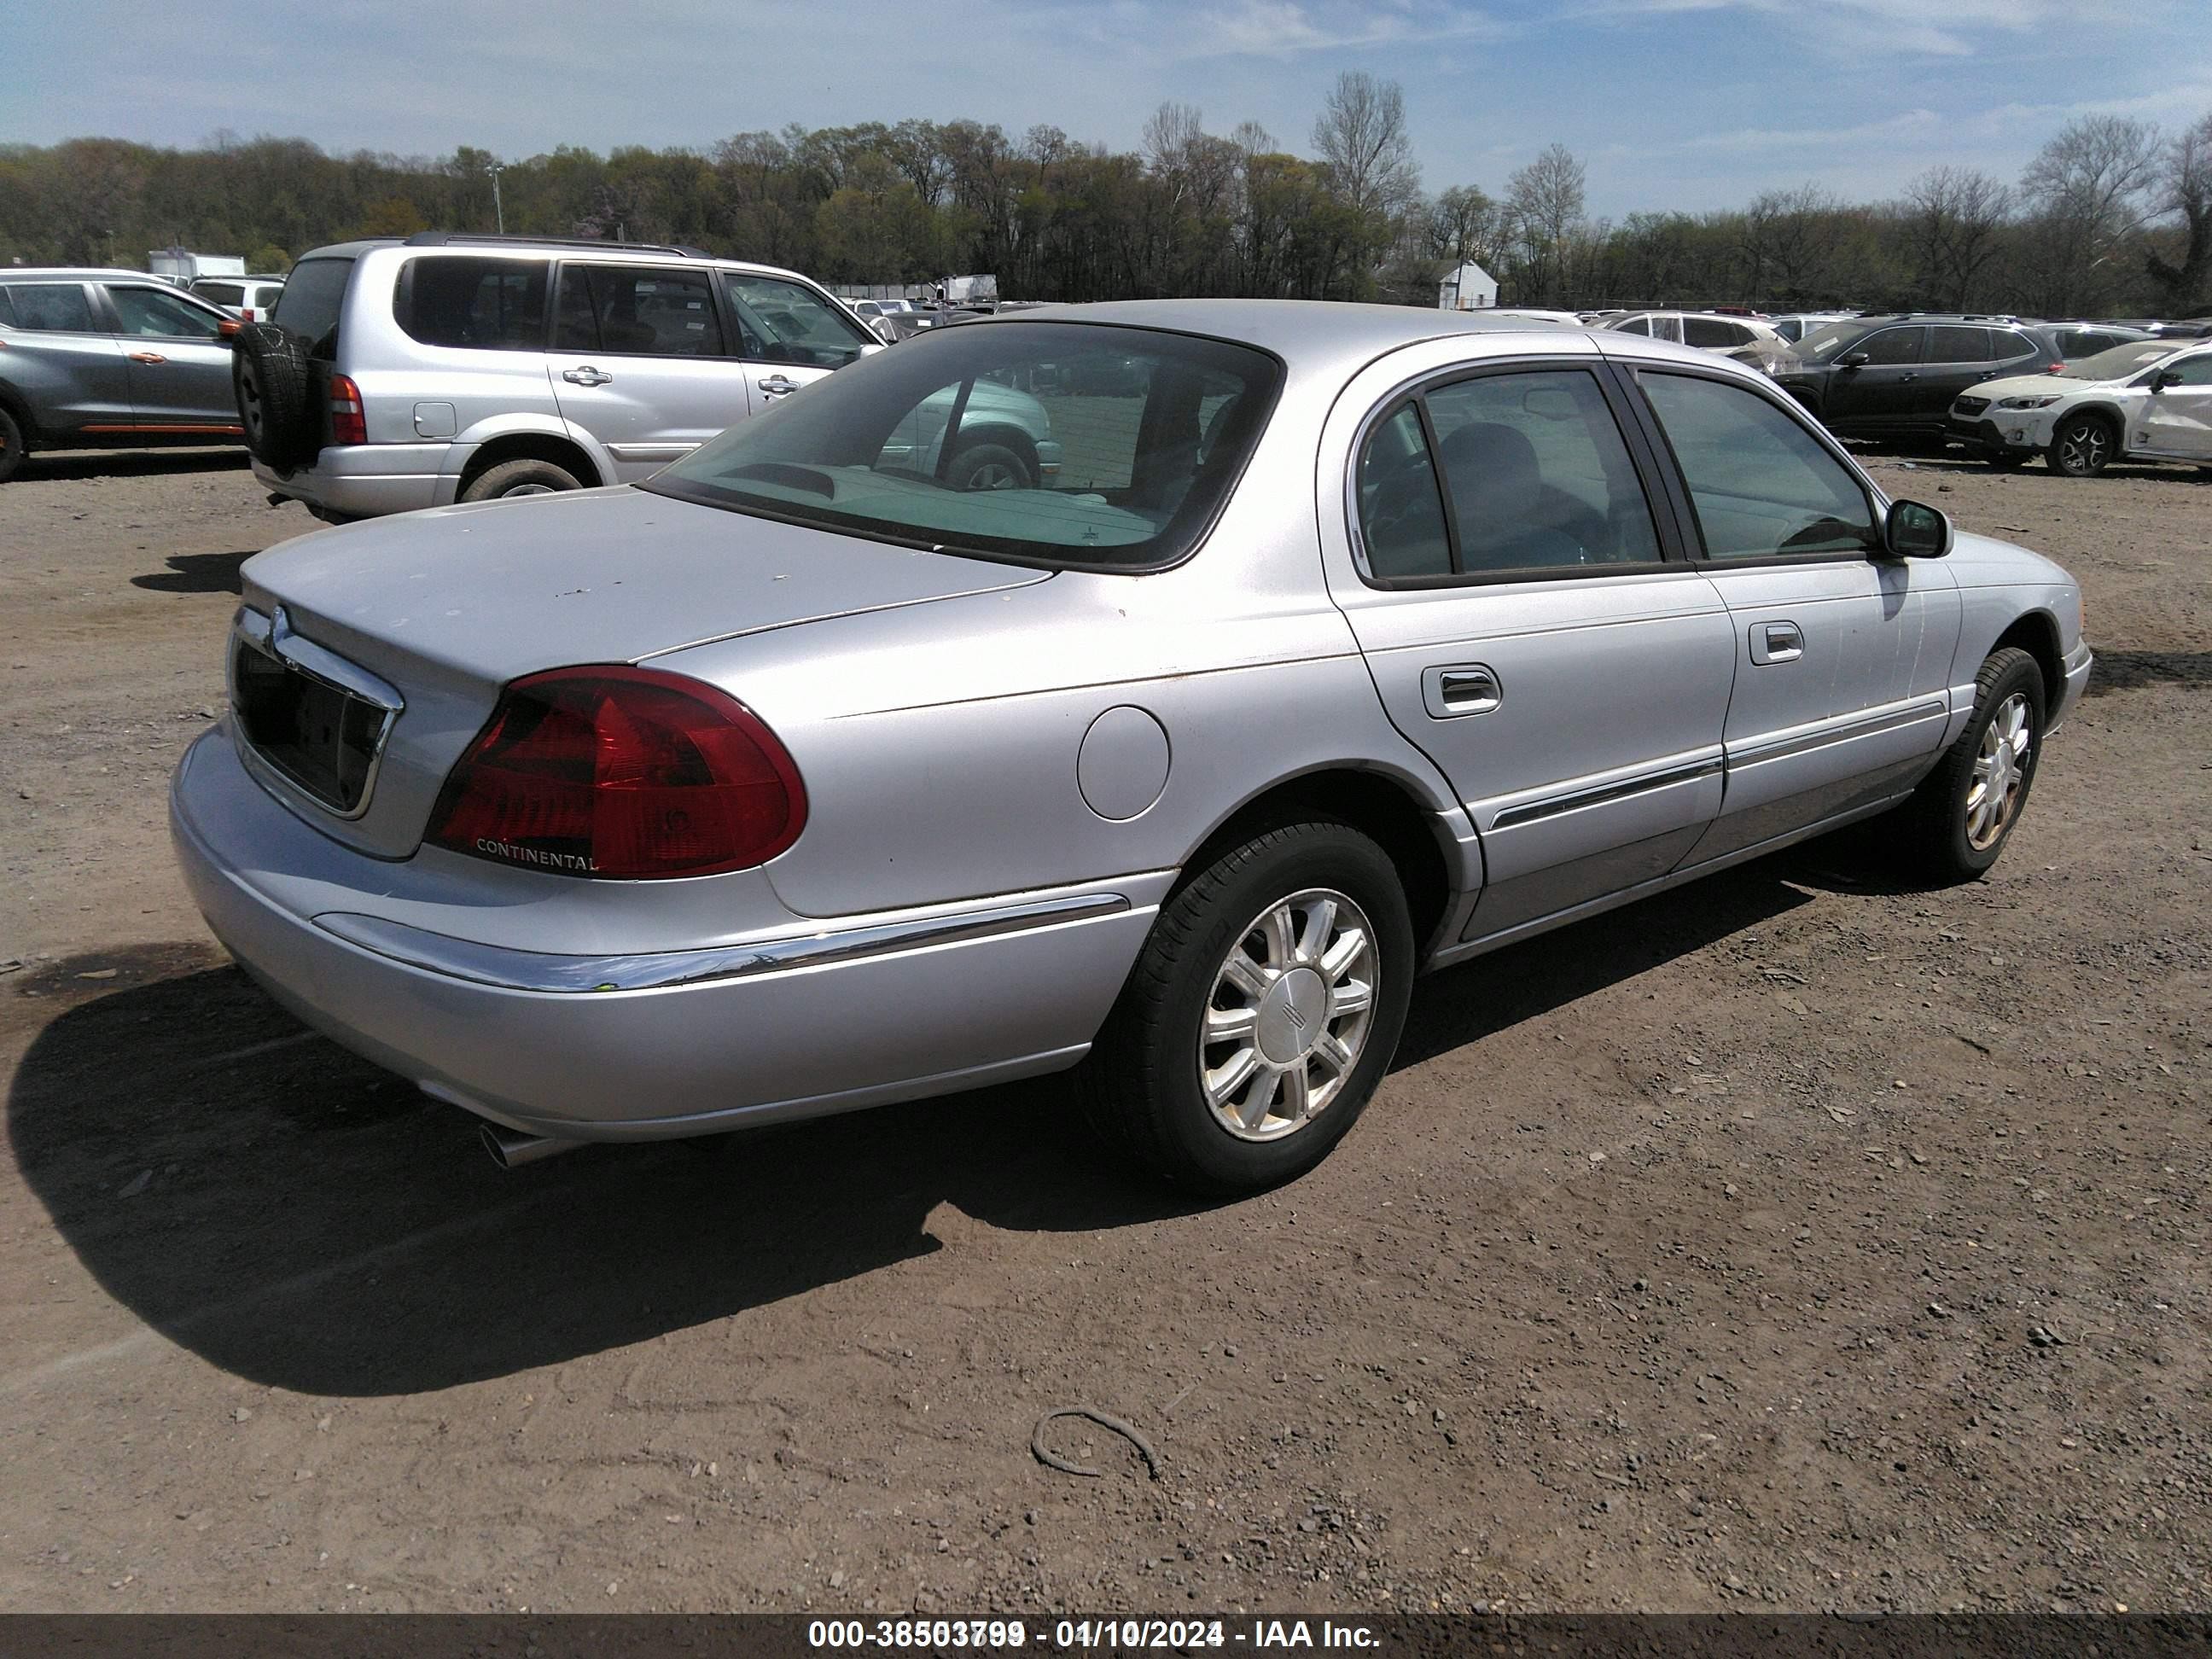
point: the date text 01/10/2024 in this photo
(1087, 1634)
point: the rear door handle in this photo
(146, 358)
(584, 374)
(779, 386)
(1777, 641)
(1462, 689)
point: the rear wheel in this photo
(12, 447)
(524, 478)
(1263, 1013)
(2082, 446)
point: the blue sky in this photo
(1689, 104)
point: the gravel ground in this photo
(1795, 1241)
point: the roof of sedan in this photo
(1304, 333)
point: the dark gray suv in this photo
(110, 359)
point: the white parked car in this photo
(2150, 400)
(249, 299)
(1744, 338)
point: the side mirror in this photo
(1916, 531)
(1854, 360)
(229, 328)
(2166, 377)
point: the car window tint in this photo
(2195, 371)
(1537, 474)
(479, 305)
(1948, 342)
(1711, 332)
(146, 311)
(1058, 444)
(1635, 325)
(1401, 515)
(223, 294)
(1891, 345)
(784, 322)
(2007, 344)
(650, 311)
(311, 300)
(7, 310)
(1761, 484)
(52, 307)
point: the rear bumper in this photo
(651, 1046)
(368, 480)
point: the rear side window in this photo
(1949, 343)
(1712, 331)
(7, 310)
(650, 311)
(2009, 345)
(310, 303)
(52, 308)
(477, 305)
(1761, 484)
(1401, 516)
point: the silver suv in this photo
(398, 376)
(109, 360)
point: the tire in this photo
(1142, 1084)
(524, 478)
(272, 383)
(12, 446)
(1937, 836)
(2082, 446)
(990, 466)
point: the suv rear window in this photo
(479, 305)
(223, 294)
(309, 305)
(1064, 445)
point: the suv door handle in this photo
(1463, 689)
(585, 374)
(1777, 641)
(146, 358)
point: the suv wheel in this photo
(11, 446)
(270, 379)
(2082, 446)
(1261, 1014)
(520, 478)
(989, 466)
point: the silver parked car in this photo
(1345, 642)
(450, 368)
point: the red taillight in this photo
(622, 772)
(246, 314)
(2054, 369)
(348, 424)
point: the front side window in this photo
(1761, 484)
(145, 311)
(647, 311)
(781, 322)
(477, 305)
(1052, 444)
(1891, 345)
(52, 307)
(2194, 370)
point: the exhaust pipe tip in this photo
(511, 1148)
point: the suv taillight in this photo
(348, 424)
(626, 773)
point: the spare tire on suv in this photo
(272, 381)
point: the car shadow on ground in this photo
(301, 1218)
(129, 463)
(2128, 671)
(197, 573)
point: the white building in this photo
(1470, 288)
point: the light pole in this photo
(499, 213)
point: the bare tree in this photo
(2086, 188)
(1363, 143)
(1955, 218)
(1544, 201)
(1464, 224)
(2186, 189)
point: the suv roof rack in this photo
(448, 238)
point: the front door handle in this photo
(779, 386)
(584, 374)
(1903, 378)
(1777, 641)
(1462, 689)
(147, 357)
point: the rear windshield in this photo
(1068, 445)
(308, 306)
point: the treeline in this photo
(2112, 217)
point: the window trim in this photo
(1678, 480)
(1673, 550)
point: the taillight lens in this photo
(348, 424)
(622, 773)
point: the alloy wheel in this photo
(2082, 449)
(2000, 772)
(1289, 1015)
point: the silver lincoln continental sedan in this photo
(1345, 642)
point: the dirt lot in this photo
(1793, 1241)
